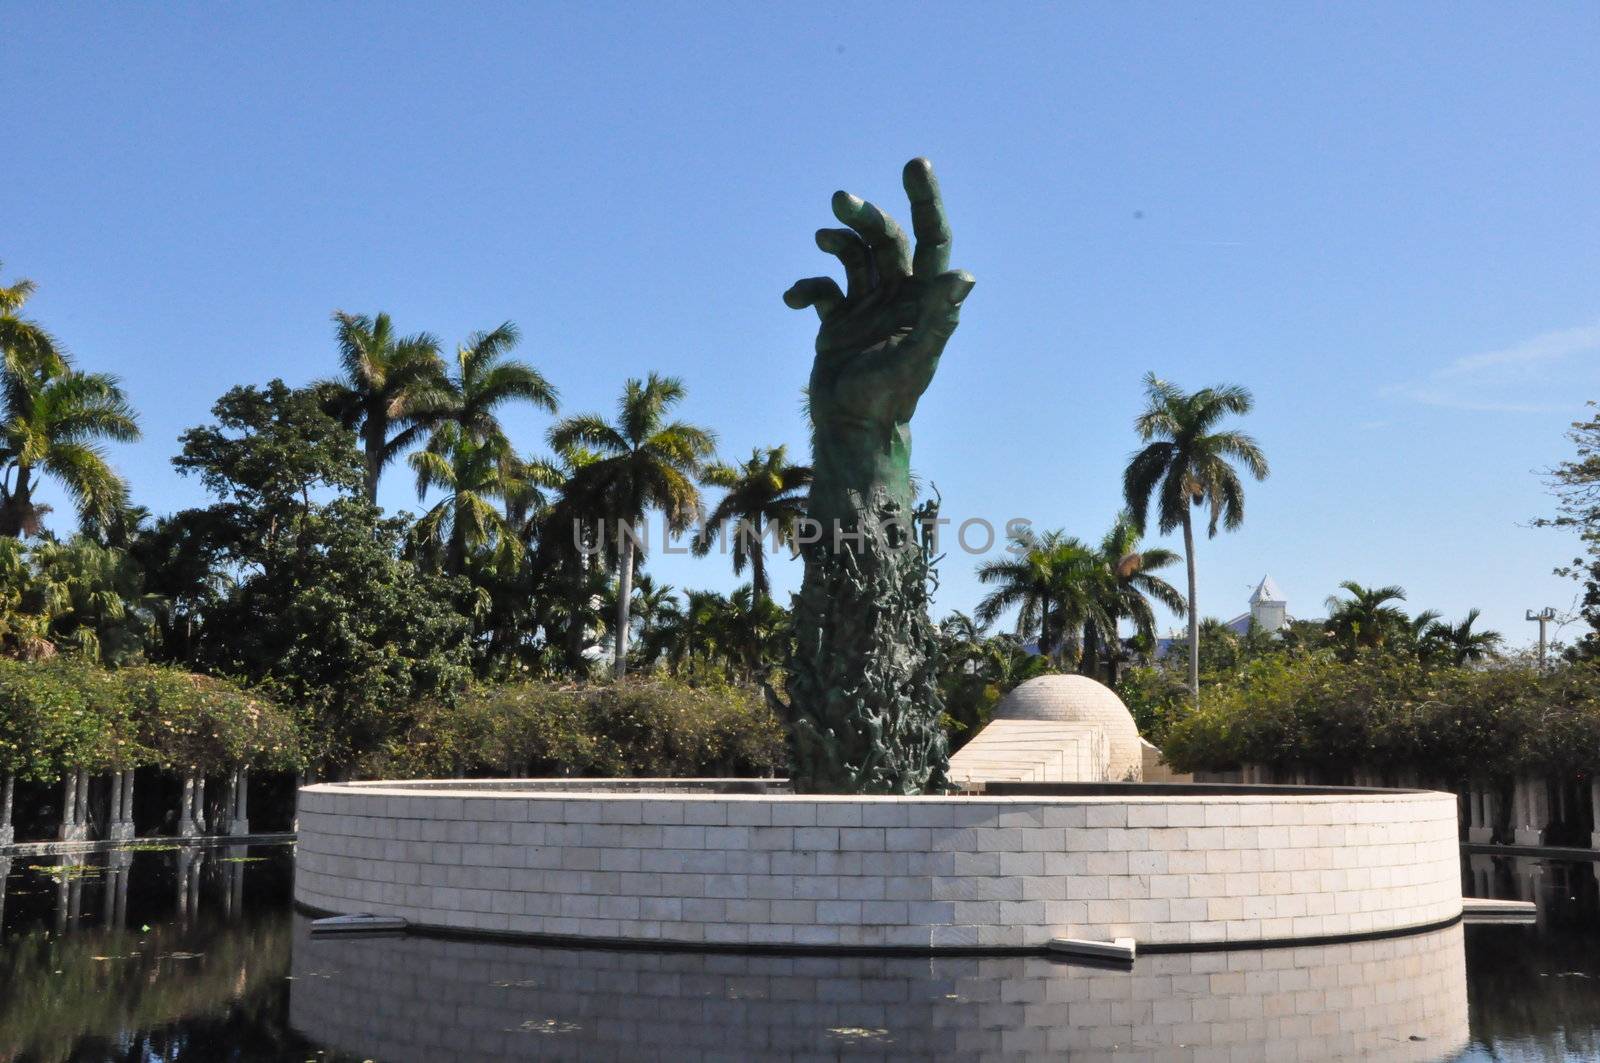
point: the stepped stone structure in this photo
(1055, 728)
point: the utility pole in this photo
(1542, 617)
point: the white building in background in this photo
(1269, 611)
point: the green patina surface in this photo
(863, 703)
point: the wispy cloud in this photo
(1538, 375)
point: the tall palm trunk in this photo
(624, 597)
(758, 563)
(373, 446)
(1089, 660)
(456, 553)
(1194, 611)
(18, 508)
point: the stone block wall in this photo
(882, 872)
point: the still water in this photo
(194, 955)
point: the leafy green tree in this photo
(271, 457)
(186, 576)
(1186, 464)
(26, 609)
(643, 462)
(392, 389)
(1576, 485)
(52, 419)
(688, 633)
(765, 495)
(353, 635)
(95, 599)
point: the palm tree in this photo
(1131, 585)
(642, 462)
(1366, 619)
(1186, 464)
(683, 632)
(21, 336)
(765, 494)
(1055, 582)
(485, 379)
(1461, 644)
(751, 630)
(391, 384)
(474, 474)
(97, 600)
(53, 417)
(651, 603)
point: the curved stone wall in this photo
(406, 999)
(1192, 868)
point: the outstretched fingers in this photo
(820, 292)
(883, 234)
(928, 220)
(853, 253)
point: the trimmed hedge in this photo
(62, 715)
(1386, 713)
(646, 726)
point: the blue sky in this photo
(1383, 219)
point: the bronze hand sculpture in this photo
(877, 348)
(863, 695)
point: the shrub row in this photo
(63, 715)
(647, 726)
(1384, 713)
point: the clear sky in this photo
(1383, 219)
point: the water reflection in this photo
(413, 999)
(149, 953)
(184, 954)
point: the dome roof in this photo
(1079, 699)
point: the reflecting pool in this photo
(193, 954)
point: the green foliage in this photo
(52, 419)
(195, 721)
(1156, 697)
(975, 671)
(65, 714)
(1576, 485)
(1386, 712)
(765, 500)
(351, 633)
(272, 454)
(640, 727)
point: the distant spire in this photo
(1267, 591)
